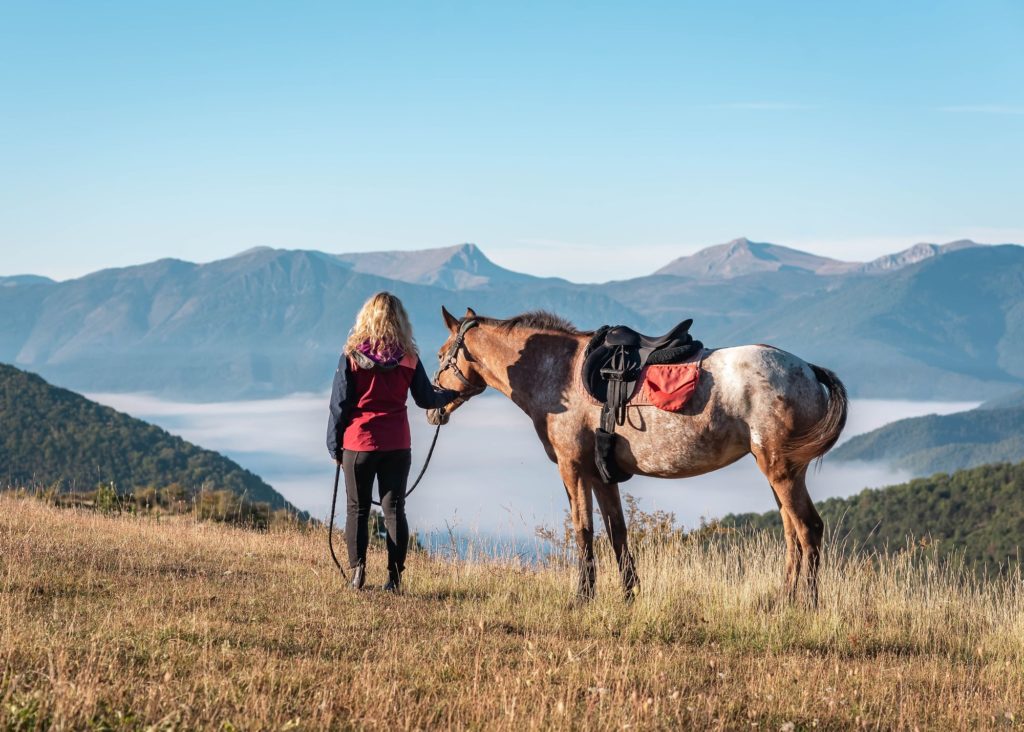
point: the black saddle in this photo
(619, 354)
(612, 364)
(623, 335)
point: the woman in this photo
(368, 431)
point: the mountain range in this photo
(742, 257)
(932, 321)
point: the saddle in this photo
(612, 364)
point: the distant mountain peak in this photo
(741, 257)
(255, 250)
(912, 255)
(459, 267)
(25, 279)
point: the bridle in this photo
(450, 362)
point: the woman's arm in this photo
(339, 411)
(425, 394)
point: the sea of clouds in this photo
(489, 474)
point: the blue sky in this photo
(591, 140)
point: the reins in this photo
(450, 362)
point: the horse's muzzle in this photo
(437, 416)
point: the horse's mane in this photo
(539, 319)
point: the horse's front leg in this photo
(581, 509)
(610, 503)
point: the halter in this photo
(451, 362)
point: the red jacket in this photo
(368, 409)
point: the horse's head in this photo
(457, 370)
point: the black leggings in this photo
(391, 470)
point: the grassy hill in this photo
(51, 436)
(942, 443)
(977, 512)
(127, 623)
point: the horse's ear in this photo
(470, 313)
(450, 321)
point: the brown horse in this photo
(749, 399)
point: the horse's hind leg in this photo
(794, 553)
(810, 529)
(581, 509)
(801, 523)
(610, 503)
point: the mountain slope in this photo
(718, 307)
(934, 443)
(50, 435)
(949, 327)
(979, 512)
(1016, 399)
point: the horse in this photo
(749, 399)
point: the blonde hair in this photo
(383, 323)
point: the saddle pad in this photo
(673, 385)
(668, 386)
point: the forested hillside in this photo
(942, 443)
(51, 436)
(977, 512)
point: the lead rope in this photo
(334, 498)
(330, 526)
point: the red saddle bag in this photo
(669, 386)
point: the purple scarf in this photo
(388, 355)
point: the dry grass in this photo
(127, 622)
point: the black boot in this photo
(358, 577)
(394, 583)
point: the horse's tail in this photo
(819, 439)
